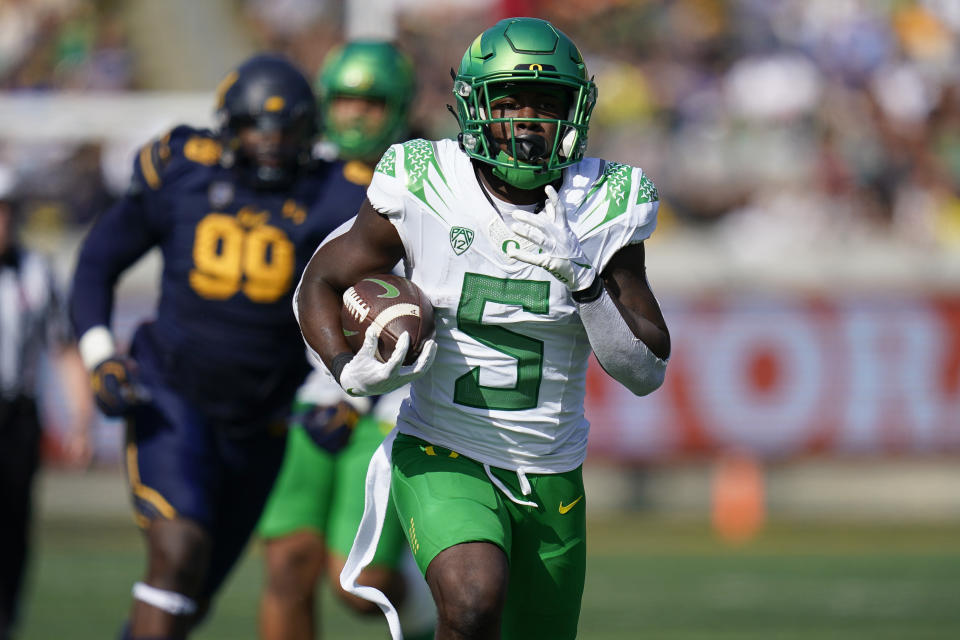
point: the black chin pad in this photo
(531, 148)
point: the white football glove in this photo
(367, 376)
(321, 388)
(560, 250)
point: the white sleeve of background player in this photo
(321, 389)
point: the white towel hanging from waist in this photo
(377, 497)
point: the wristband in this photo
(96, 345)
(591, 293)
(339, 362)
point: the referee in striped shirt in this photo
(32, 319)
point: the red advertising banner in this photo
(783, 376)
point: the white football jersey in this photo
(508, 382)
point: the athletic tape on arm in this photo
(96, 345)
(170, 601)
(624, 356)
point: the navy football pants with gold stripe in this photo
(180, 464)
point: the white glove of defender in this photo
(367, 376)
(560, 250)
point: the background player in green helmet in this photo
(532, 255)
(365, 90)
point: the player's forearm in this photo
(318, 312)
(76, 386)
(91, 307)
(644, 320)
(625, 280)
(624, 356)
(115, 242)
(91, 294)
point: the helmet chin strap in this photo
(272, 177)
(261, 176)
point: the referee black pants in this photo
(19, 459)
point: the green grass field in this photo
(646, 578)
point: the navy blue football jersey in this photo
(232, 255)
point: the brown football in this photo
(394, 305)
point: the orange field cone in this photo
(738, 497)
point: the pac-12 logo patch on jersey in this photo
(460, 239)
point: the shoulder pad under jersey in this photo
(180, 149)
(619, 209)
(357, 173)
(417, 155)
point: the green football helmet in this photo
(532, 52)
(367, 69)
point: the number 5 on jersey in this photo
(532, 296)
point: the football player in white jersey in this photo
(365, 90)
(532, 256)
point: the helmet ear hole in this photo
(569, 143)
(468, 141)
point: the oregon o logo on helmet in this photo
(534, 66)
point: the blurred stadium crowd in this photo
(802, 122)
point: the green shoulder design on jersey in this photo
(647, 191)
(388, 163)
(616, 178)
(418, 157)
